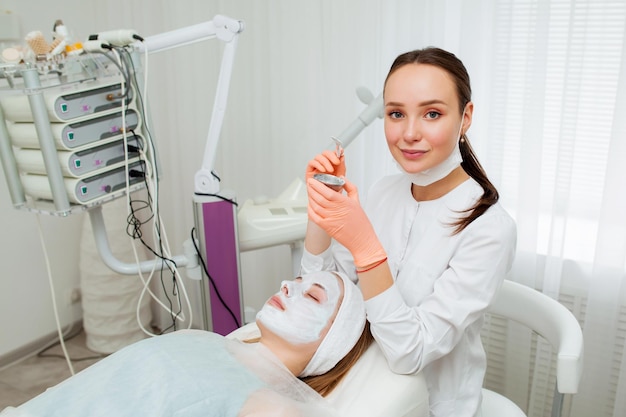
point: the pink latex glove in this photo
(343, 218)
(326, 163)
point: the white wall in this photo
(26, 302)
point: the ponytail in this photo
(475, 170)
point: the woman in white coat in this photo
(433, 245)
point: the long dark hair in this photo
(453, 66)
(324, 384)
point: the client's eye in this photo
(312, 296)
(316, 293)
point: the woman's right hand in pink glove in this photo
(326, 163)
(343, 218)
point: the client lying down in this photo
(313, 328)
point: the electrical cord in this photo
(233, 202)
(151, 148)
(134, 230)
(177, 315)
(122, 71)
(53, 294)
(162, 252)
(135, 221)
(213, 284)
(43, 354)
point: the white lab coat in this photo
(430, 319)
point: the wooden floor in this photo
(30, 377)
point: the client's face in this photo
(303, 308)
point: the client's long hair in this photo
(324, 384)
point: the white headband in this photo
(343, 333)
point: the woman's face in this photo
(303, 310)
(422, 120)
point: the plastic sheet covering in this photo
(185, 373)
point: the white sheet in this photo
(190, 373)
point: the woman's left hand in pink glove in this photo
(343, 218)
(326, 162)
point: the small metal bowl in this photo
(331, 181)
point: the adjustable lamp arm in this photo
(221, 27)
(226, 30)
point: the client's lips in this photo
(276, 302)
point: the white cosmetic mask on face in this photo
(441, 170)
(303, 318)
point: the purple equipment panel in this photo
(222, 263)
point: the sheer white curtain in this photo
(554, 143)
(549, 80)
